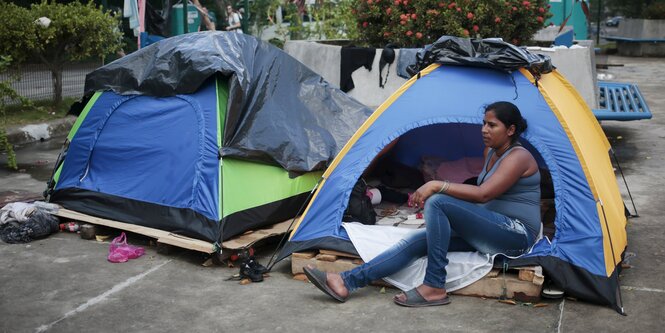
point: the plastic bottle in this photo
(70, 226)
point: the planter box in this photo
(577, 65)
(640, 29)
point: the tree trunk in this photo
(297, 26)
(56, 76)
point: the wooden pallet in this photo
(252, 237)
(523, 284)
(165, 238)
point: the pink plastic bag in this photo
(120, 251)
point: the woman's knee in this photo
(435, 212)
(438, 202)
(415, 243)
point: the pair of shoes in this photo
(415, 299)
(251, 269)
(319, 278)
(256, 266)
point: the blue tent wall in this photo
(444, 141)
(139, 148)
(457, 95)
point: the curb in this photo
(25, 134)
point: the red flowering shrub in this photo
(410, 23)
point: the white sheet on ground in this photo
(464, 268)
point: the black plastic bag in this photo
(360, 205)
(40, 225)
(491, 53)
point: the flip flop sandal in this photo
(318, 278)
(415, 300)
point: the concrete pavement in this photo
(65, 284)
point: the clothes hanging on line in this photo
(353, 58)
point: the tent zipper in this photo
(85, 174)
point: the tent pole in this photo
(50, 184)
(626, 183)
(281, 242)
(613, 258)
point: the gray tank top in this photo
(521, 201)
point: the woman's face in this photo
(229, 9)
(495, 133)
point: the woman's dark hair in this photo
(509, 115)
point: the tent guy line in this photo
(102, 297)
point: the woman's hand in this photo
(421, 194)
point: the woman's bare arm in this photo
(204, 15)
(517, 164)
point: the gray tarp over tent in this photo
(491, 53)
(279, 111)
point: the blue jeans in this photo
(451, 225)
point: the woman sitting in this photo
(501, 214)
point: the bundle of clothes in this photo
(24, 222)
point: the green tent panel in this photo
(255, 195)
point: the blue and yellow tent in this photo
(439, 113)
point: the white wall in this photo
(325, 60)
(575, 63)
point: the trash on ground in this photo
(70, 226)
(605, 76)
(120, 251)
(102, 238)
(508, 301)
(24, 222)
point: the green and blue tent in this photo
(206, 135)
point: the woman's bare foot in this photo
(427, 292)
(335, 283)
